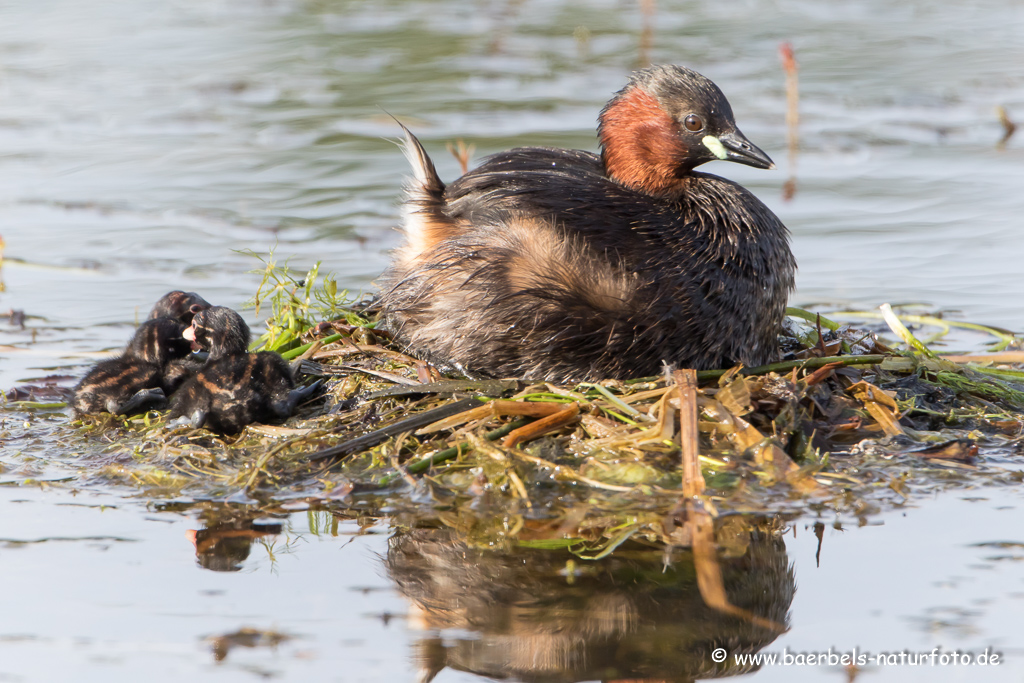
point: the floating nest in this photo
(844, 427)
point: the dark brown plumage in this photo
(136, 380)
(234, 388)
(179, 305)
(562, 265)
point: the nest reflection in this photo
(540, 615)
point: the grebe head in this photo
(157, 341)
(220, 331)
(665, 122)
(179, 305)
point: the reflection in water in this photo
(538, 615)
(247, 638)
(223, 545)
(1009, 128)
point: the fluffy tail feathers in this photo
(425, 220)
(424, 173)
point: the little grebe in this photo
(179, 305)
(137, 379)
(234, 387)
(563, 265)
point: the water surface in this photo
(143, 143)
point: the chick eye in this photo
(693, 123)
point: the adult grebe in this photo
(563, 265)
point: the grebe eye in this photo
(693, 123)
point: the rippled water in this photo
(142, 143)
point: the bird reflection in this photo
(224, 544)
(634, 616)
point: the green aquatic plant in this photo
(298, 304)
(1003, 338)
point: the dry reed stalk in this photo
(686, 385)
(462, 153)
(365, 348)
(791, 68)
(543, 425)
(647, 10)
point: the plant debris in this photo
(843, 426)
